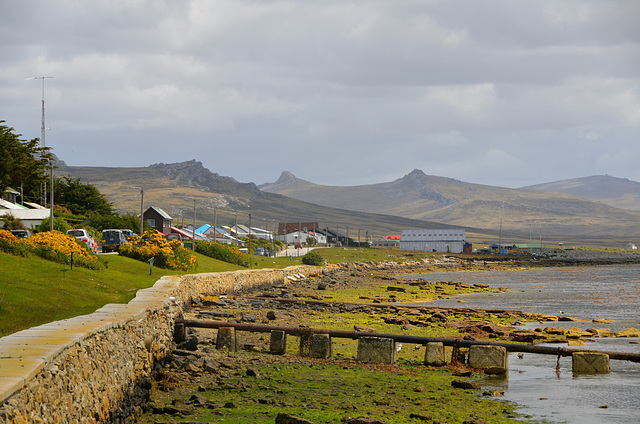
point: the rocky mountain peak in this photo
(286, 181)
(193, 174)
(285, 178)
(416, 179)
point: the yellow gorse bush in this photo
(50, 245)
(166, 254)
(56, 241)
(8, 237)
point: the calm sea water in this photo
(581, 292)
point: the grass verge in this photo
(35, 291)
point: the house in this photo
(290, 227)
(451, 240)
(187, 234)
(30, 217)
(158, 219)
(300, 237)
(333, 237)
(210, 233)
(388, 241)
(261, 233)
(11, 195)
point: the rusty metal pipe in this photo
(346, 334)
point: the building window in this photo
(152, 222)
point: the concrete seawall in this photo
(97, 367)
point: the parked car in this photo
(112, 240)
(84, 236)
(128, 233)
(259, 251)
(21, 233)
(175, 236)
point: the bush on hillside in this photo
(58, 247)
(12, 223)
(59, 224)
(10, 244)
(222, 252)
(313, 258)
(166, 254)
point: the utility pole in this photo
(193, 245)
(51, 209)
(141, 209)
(249, 237)
(215, 227)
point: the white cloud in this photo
(415, 84)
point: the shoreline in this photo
(319, 303)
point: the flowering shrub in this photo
(222, 252)
(9, 244)
(51, 245)
(166, 254)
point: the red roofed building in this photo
(388, 241)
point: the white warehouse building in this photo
(451, 240)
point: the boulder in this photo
(283, 418)
(629, 332)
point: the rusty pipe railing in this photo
(347, 334)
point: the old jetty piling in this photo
(460, 343)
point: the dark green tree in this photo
(21, 161)
(12, 223)
(80, 198)
(59, 224)
(103, 222)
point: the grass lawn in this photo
(35, 291)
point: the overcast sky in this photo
(507, 93)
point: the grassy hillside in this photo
(174, 187)
(518, 213)
(35, 291)
(615, 192)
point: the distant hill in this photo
(173, 188)
(541, 214)
(616, 192)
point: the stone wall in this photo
(97, 367)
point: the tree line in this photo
(24, 165)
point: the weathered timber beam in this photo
(346, 334)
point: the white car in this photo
(83, 236)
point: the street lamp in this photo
(43, 197)
(141, 209)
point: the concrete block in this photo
(590, 363)
(435, 354)
(305, 342)
(25, 368)
(226, 339)
(10, 385)
(278, 344)
(179, 333)
(494, 357)
(321, 346)
(377, 350)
